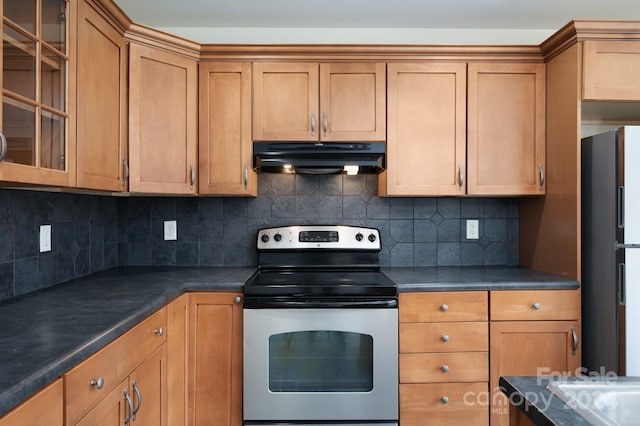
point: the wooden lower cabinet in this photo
(177, 357)
(215, 363)
(112, 410)
(444, 360)
(529, 348)
(444, 404)
(43, 409)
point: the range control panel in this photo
(335, 237)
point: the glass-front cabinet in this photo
(36, 142)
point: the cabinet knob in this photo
(444, 308)
(536, 306)
(445, 399)
(445, 368)
(445, 338)
(98, 384)
(238, 299)
(159, 331)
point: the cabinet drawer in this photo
(466, 404)
(444, 306)
(113, 364)
(444, 367)
(444, 337)
(535, 305)
(44, 408)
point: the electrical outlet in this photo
(170, 230)
(45, 238)
(472, 229)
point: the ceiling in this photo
(372, 21)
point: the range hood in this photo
(319, 158)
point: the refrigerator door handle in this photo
(621, 282)
(621, 207)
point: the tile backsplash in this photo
(91, 233)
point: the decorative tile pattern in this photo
(92, 233)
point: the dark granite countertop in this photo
(46, 333)
(476, 278)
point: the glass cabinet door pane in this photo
(54, 23)
(53, 80)
(19, 127)
(22, 12)
(52, 154)
(19, 63)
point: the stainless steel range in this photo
(320, 330)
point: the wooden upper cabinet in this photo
(101, 124)
(38, 93)
(163, 121)
(352, 102)
(611, 70)
(225, 129)
(329, 102)
(426, 119)
(506, 129)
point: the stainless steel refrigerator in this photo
(611, 252)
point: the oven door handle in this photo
(250, 303)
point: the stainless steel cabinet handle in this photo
(192, 183)
(139, 396)
(445, 368)
(574, 345)
(325, 123)
(97, 383)
(536, 306)
(130, 404)
(125, 165)
(460, 178)
(238, 299)
(4, 147)
(445, 399)
(313, 124)
(159, 331)
(245, 176)
(444, 308)
(541, 170)
(445, 338)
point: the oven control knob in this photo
(372, 238)
(277, 237)
(359, 236)
(265, 238)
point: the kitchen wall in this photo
(91, 233)
(415, 231)
(84, 238)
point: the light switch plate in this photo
(472, 229)
(170, 230)
(45, 238)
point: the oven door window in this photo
(320, 361)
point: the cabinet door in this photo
(149, 390)
(352, 102)
(225, 130)
(426, 119)
(177, 355)
(163, 121)
(215, 369)
(42, 409)
(285, 101)
(102, 71)
(38, 98)
(112, 410)
(529, 348)
(506, 129)
(610, 70)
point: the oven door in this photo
(320, 365)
